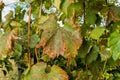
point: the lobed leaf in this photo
(6, 42)
(60, 40)
(114, 44)
(34, 40)
(97, 33)
(104, 53)
(15, 23)
(77, 7)
(57, 3)
(65, 4)
(38, 72)
(92, 56)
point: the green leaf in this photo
(9, 16)
(15, 24)
(97, 33)
(41, 20)
(90, 17)
(48, 3)
(34, 40)
(77, 7)
(36, 9)
(37, 72)
(116, 11)
(57, 4)
(114, 44)
(29, 1)
(45, 58)
(65, 4)
(17, 49)
(1, 33)
(92, 56)
(57, 40)
(84, 49)
(104, 53)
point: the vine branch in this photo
(84, 11)
(29, 20)
(40, 8)
(87, 78)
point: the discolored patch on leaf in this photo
(38, 72)
(7, 42)
(57, 40)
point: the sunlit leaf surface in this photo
(114, 44)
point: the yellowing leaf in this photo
(6, 42)
(38, 72)
(15, 24)
(57, 3)
(57, 40)
(97, 32)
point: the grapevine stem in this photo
(29, 20)
(86, 72)
(40, 9)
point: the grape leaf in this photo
(15, 24)
(78, 7)
(38, 72)
(29, 1)
(104, 53)
(114, 44)
(65, 4)
(84, 49)
(57, 4)
(97, 32)
(9, 16)
(57, 40)
(6, 42)
(91, 17)
(92, 56)
(34, 40)
(1, 33)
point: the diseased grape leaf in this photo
(57, 40)
(6, 42)
(38, 72)
(114, 44)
